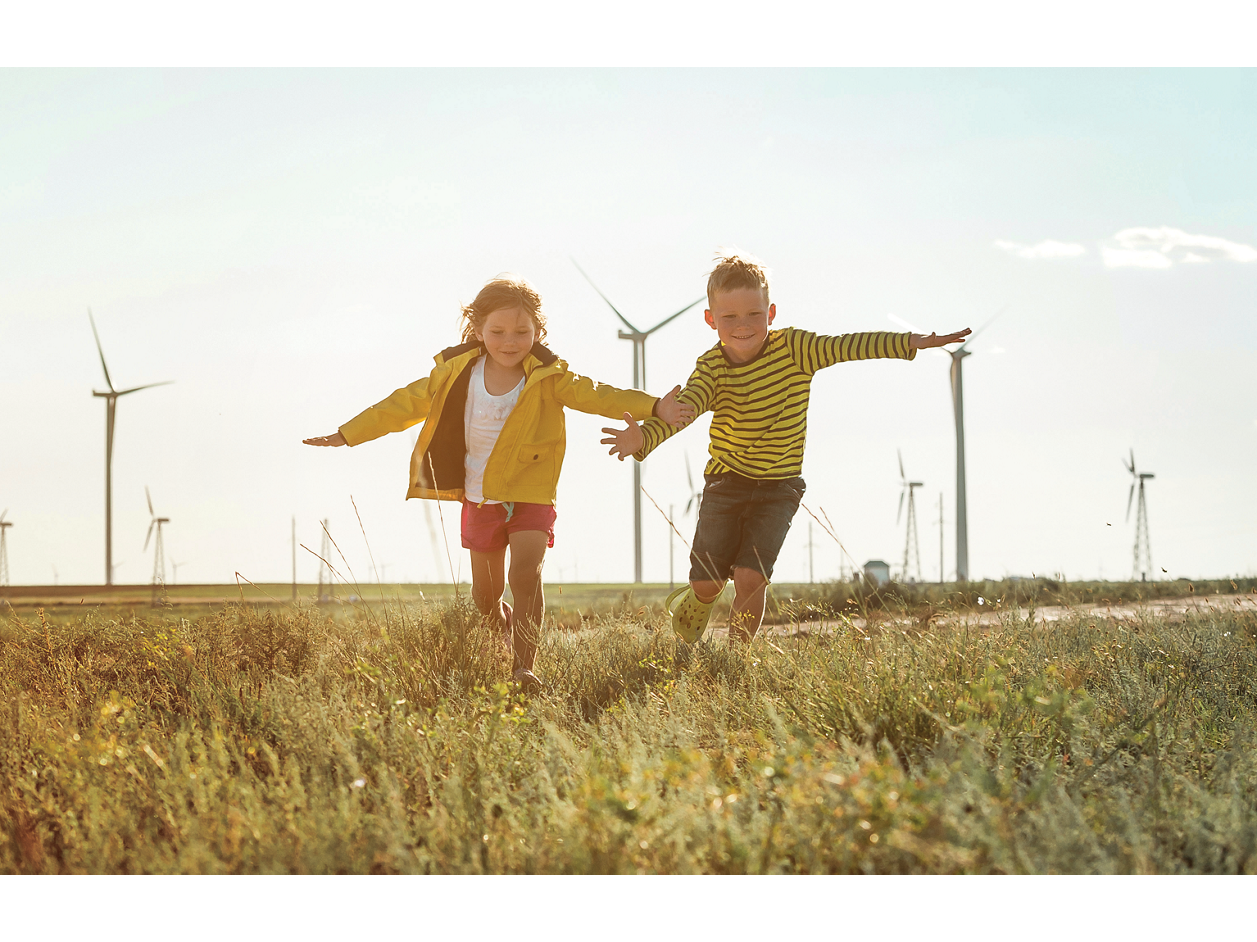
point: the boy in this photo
(756, 382)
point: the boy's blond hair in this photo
(505, 291)
(736, 270)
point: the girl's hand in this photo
(921, 341)
(326, 440)
(676, 414)
(625, 441)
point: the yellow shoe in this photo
(689, 618)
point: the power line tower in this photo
(325, 573)
(1142, 562)
(911, 543)
(4, 549)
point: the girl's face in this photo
(508, 334)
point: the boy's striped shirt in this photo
(759, 423)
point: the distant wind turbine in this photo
(639, 369)
(159, 550)
(4, 549)
(111, 405)
(1142, 564)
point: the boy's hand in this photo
(676, 414)
(325, 440)
(921, 341)
(624, 441)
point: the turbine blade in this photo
(901, 474)
(974, 336)
(6, 510)
(1128, 501)
(903, 323)
(671, 318)
(900, 513)
(148, 498)
(688, 504)
(165, 382)
(99, 350)
(149, 534)
(608, 300)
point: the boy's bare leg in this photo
(528, 552)
(749, 590)
(487, 585)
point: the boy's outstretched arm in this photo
(624, 441)
(923, 341)
(334, 440)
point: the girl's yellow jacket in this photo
(525, 462)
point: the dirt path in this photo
(1044, 615)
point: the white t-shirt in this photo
(483, 419)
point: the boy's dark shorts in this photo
(742, 522)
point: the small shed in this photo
(877, 572)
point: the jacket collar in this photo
(540, 352)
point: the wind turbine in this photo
(910, 539)
(1142, 545)
(111, 405)
(175, 567)
(958, 407)
(4, 549)
(159, 552)
(639, 369)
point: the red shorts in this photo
(487, 528)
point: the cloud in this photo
(1162, 246)
(1048, 248)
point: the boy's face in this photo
(508, 335)
(741, 318)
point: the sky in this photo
(288, 246)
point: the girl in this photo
(494, 439)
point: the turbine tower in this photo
(910, 539)
(639, 382)
(958, 407)
(159, 550)
(111, 405)
(1142, 564)
(4, 549)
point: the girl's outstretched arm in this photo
(325, 440)
(676, 414)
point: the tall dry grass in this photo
(288, 741)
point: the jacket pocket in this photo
(536, 454)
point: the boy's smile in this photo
(741, 317)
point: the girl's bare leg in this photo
(528, 552)
(487, 585)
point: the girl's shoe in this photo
(689, 616)
(528, 681)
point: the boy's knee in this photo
(706, 591)
(748, 580)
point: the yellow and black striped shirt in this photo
(759, 421)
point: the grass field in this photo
(353, 739)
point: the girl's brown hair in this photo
(504, 291)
